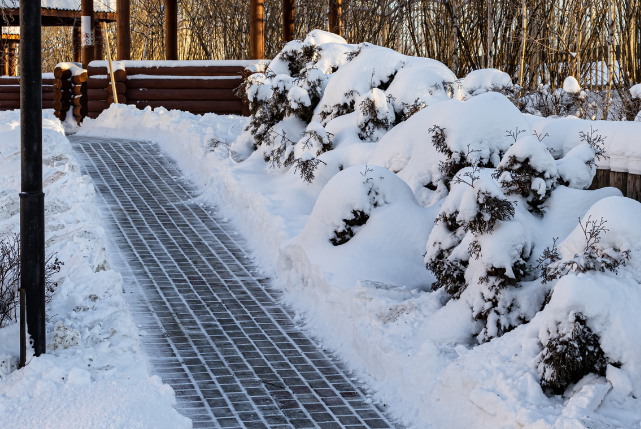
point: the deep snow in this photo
(94, 373)
(434, 360)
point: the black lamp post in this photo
(32, 199)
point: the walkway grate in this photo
(215, 330)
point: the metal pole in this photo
(122, 30)
(32, 199)
(171, 30)
(86, 32)
(289, 13)
(23, 330)
(257, 29)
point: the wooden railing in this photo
(193, 86)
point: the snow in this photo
(482, 80)
(571, 85)
(94, 373)
(635, 91)
(348, 248)
(98, 5)
(177, 63)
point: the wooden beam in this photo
(123, 31)
(86, 32)
(289, 13)
(257, 29)
(98, 41)
(11, 59)
(2, 42)
(336, 16)
(75, 41)
(171, 30)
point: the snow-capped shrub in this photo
(578, 167)
(529, 170)
(370, 67)
(593, 258)
(545, 101)
(484, 80)
(375, 115)
(349, 200)
(572, 352)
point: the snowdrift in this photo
(442, 241)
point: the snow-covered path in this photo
(215, 330)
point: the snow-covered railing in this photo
(10, 92)
(192, 86)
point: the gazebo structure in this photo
(54, 13)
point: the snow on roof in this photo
(98, 5)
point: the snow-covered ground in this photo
(94, 374)
(360, 166)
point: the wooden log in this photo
(201, 106)
(181, 94)
(95, 83)
(601, 180)
(634, 187)
(9, 104)
(60, 114)
(97, 94)
(48, 104)
(79, 101)
(59, 73)
(9, 81)
(120, 88)
(48, 96)
(218, 70)
(59, 94)
(79, 111)
(619, 180)
(93, 115)
(61, 105)
(9, 96)
(62, 84)
(48, 81)
(97, 105)
(46, 88)
(80, 78)
(79, 89)
(122, 99)
(184, 83)
(119, 75)
(7, 89)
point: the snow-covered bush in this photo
(571, 352)
(376, 115)
(529, 170)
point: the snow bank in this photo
(348, 247)
(94, 372)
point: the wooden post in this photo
(98, 42)
(123, 35)
(11, 59)
(75, 41)
(257, 29)
(289, 13)
(86, 32)
(171, 30)
(1, 50)
(336, 16)
(619, 180)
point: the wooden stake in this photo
(111, 69)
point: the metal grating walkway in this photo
(215, 330)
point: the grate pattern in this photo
(215, 330)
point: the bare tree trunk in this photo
(489, 34)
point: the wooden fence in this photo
(193, 86)
(10, 92)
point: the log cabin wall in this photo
(10, 92)
(193, 86)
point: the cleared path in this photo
(213, 328)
